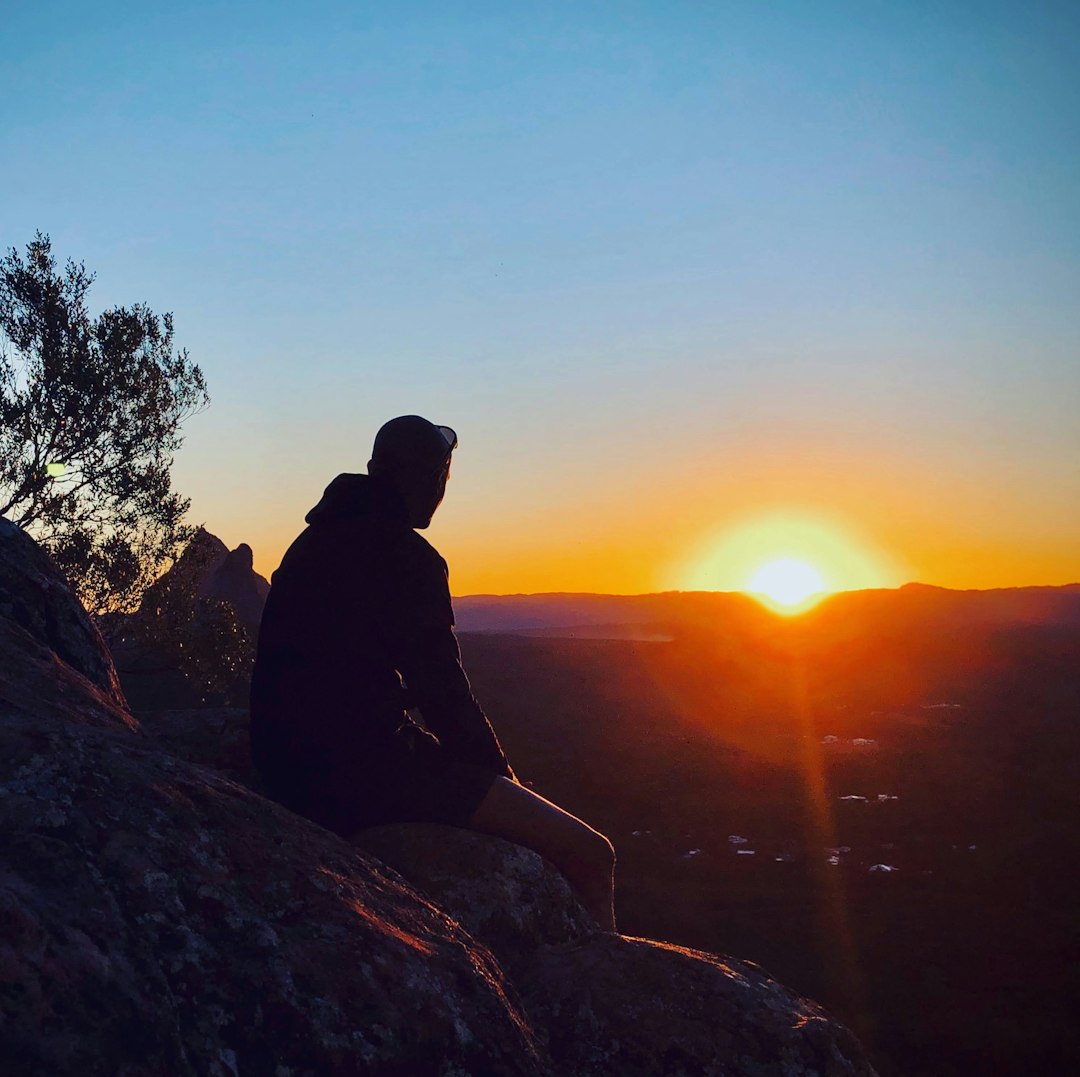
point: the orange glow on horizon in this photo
(788, 558)
(622, 555)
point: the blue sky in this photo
(743, 254)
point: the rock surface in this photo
(499, 892)
(604, 1003)
(218, 737)
(52, 658)
(159, 917)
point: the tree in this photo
(90, 413)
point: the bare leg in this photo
(582, 854)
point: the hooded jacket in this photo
(358, 626)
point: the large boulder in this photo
(218, 737)
(609, 1004)
(160, 917)
(603, 1003)
(52, 658)
(499, 892)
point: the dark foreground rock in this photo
(159, 917)
(218, 737)
(51, 656)
(604, 1003)
(501, 893)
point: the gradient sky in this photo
(676, 272)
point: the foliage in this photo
(90, 413)
(217, 654)
(200, 636)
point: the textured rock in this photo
(603, 1003)
(634, 1007)
(499, 892)
(52, 658)
(157, 917)
(218, 737)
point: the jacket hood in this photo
(350, 497)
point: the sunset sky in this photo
(699, 285)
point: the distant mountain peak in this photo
(212, 570)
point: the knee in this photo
(601, 852)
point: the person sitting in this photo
(357, 643)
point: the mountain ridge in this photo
(691, 610)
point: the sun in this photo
(786, 585)
(787, 558)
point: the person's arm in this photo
(425, 652)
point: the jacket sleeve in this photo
(425, 652)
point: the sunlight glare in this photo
(831, 553)
(785, 581)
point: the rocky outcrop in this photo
(499, 892)
(235, 581)
(195, 567)
(52, 659)
(209, 569)
(603, 1003)
(161, 918)
(217, 737)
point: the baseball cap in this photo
(412, 443)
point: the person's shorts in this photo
(404, 781)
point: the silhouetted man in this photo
(357, 631)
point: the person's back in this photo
(358, 628)
(324, 691)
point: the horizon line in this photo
(1075, 585)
